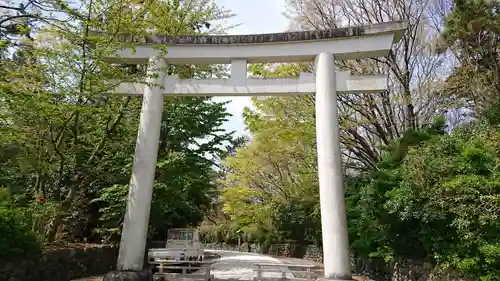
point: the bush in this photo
(16, 238)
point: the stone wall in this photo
(62, 264)
(310, 252)
(374, 269)
(244, 247)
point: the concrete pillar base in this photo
(144, 275)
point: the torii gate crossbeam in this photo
(305, 84)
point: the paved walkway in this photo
(240, 266)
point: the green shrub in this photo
(16, 238)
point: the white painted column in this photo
(135, 225)
(333, 214)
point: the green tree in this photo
(190, 138)
(434, 197)
(17, 240)
(73, 140)
(374, 230)
(191, 135)
(450, 186)
(472, 31)
(56, 113)
(270, 191)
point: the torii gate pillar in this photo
(135, 226)
(331, 189)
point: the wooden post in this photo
(207, 274)
(308, 273)
(259, 273)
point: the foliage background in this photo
(421, 160)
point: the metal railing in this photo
(194, 270)
(287, 271)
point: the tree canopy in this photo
(67, 143)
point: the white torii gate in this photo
(319, 46)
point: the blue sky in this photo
(255, 16)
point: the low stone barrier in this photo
(75, 261)
(62, 263)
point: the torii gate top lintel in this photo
(395, 28)
(352, 42)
